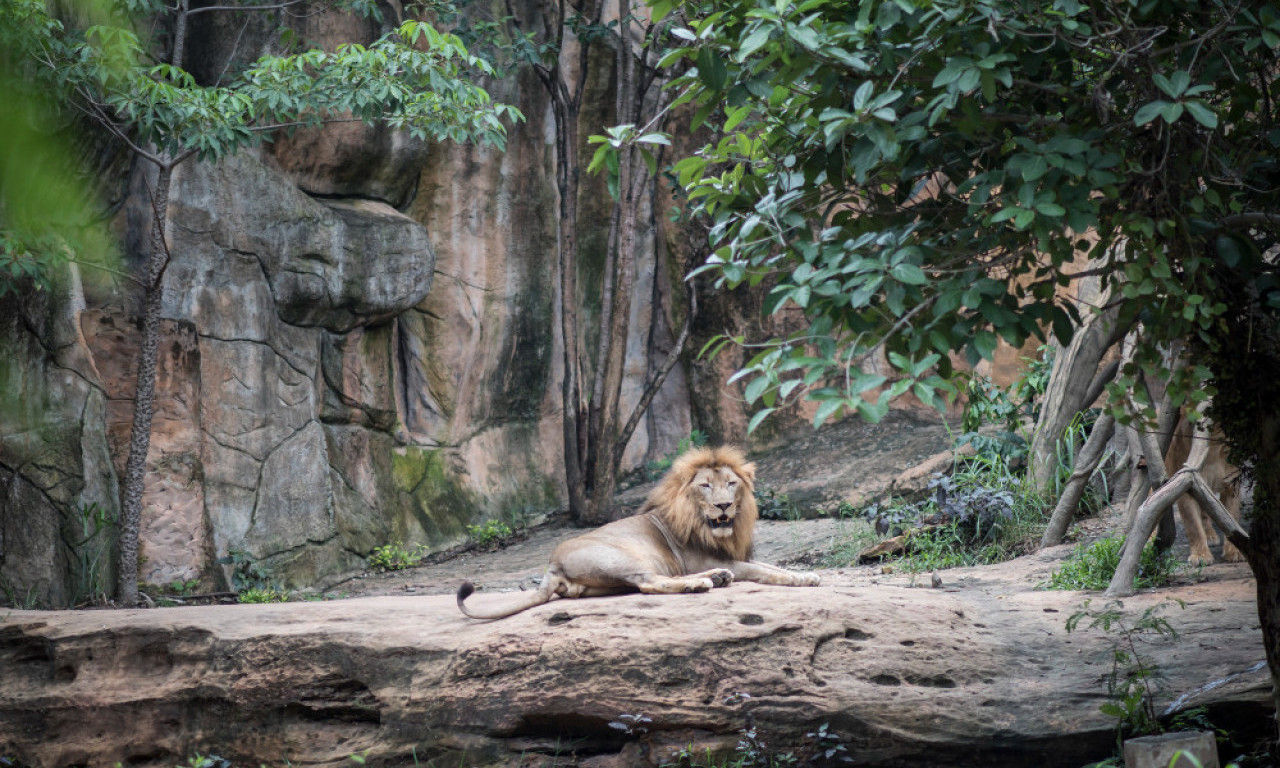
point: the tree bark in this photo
(1070, 383)
(1185, 480)
(1086, 464)
(145, 390)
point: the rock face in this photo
(980, 672)
(358, 348)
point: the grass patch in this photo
(1092, 566)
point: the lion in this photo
(693, 533)
(1222, 479)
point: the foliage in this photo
(94, 58)
(1092, 566)
(1133, 683)
(773, 504)
(92, 552)
(47, 209)
(264, 595)
(206, 761)
(246, 573)
(983, 512)
(394, 557)
(822, 746)
(916, 175)
(489, 534)
(1007, 409)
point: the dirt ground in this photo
(850, 461)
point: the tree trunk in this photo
(145, 391)
(1263, 554)
(144, 396)
(1074, 373)
(1086, 464)
(568, 174)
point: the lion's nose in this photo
(725, 506)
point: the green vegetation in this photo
(264, 595)
(984, 512)
(1133, 682)
(490, 533)
(394, 557)
(1010, 410)
(1092, 566)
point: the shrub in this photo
(489, 534)
(394, 557)
(264, 595)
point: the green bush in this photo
(1092, 566)
(264, 595)
(489, 534)
(394, 557)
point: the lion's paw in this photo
(1197, 558)
(698, 585)
(808, 579)
(1232, 555)
(721, 577)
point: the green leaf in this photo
(1148, 112)
(1202, 113)
(826, 409)
(756, 388)
(758, 418)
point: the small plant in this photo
(264, 595)
(1092, 566)
(775, 505)
(92, 553)
(1005, 409)
(490, 534)
(246, 573)
(180, 588)
(206, 761)
(632, 725)
(1133, 682)
(394, 557)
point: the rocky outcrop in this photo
(358, 348)
(980, 672)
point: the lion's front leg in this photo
(762, 573)
(653, 584)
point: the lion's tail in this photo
(543, 594)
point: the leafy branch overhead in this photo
(926, 177)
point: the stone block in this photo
(1172, 750)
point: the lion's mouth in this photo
(720, 523)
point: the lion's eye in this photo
(732, 484)
(706, 485)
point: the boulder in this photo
(979, 672)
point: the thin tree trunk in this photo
(1086, 464)
(567, 176)
(145, 390)
(144, 396)
(1074, 373)
(617, 324)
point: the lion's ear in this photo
(748, 472)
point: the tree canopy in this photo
(923, 177)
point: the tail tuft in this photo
(466, 590)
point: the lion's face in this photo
(716, 491)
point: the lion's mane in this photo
(675, 501)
